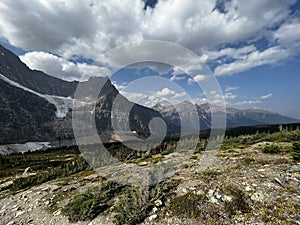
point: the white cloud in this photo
(177, 74)
(58, 26)
(167, 93)
(230, 96)
(235, 53)
(134, 96)
(269, 56)
(198, 78)
(247, 103)
(193, 22)
(268, 96)
(230, 88)
(61, 68)
(90, 28)
(250, 103)
(288, 33)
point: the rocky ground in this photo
(235, 186)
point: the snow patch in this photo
(62, 104)
(21, 148)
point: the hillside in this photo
(253, 179)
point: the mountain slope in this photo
(234, 117)
(14, 69)
(37, 107)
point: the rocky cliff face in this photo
(37, 107)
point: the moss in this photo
(239, 200)
(184, 166)
(188, 205)
(194, 157)
(209, 173)
(248, 160)
(242, 146)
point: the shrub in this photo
(296, 151)
(67, 169)
(209, 173)
(88, 205)
(272, 149)
(135, 204)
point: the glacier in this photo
(62, 104)
(21, 148)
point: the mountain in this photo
(180, 115)
(234, 117)
(37, 107)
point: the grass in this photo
(199, 206)
(132, 207)
(135, 204)
(37, 161)
(243, 141)
(248, 161)
(75, 166)
(209, 173)
(86, 206)
(272, 149)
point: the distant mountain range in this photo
(36, 107)
(234, 117)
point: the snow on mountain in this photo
(29, 146)
(62, 104)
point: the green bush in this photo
(75, 166)
(88, 205)
(272, 149)
(135, 204)
(296, 151)
(210, 173)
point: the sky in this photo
(251, 47)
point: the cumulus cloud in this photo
(288, 33)
(198, 78)
(61, 68)
(165, 95)
(193, 22)
(90, 28)
(269, 56)
(135, 97)
(168, 93)
(230, 96)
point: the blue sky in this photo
(253, 48)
